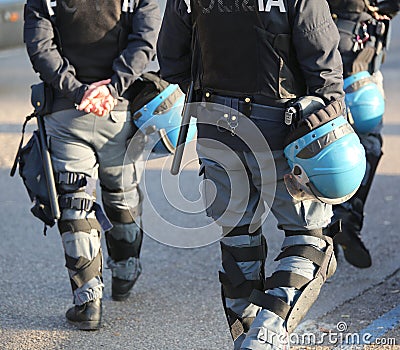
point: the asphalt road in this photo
(175, 304)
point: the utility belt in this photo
(246, 106)
(239, 122)
(364, 31)
(367, 39)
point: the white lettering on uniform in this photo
(187, 2)
(50, 5)
(271, 3)
(127, 6)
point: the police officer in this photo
(364, 29)
(256, 58)
(90, 53)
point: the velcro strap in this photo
(75, 203)
(240, 231)
(80, 225)
(123, 216)
(85, 269)
(305, 251)
(286, 279)
(242, 290)
(121, 249)
(246, 253)
(233, 272)
(270, 302)
(315, 233)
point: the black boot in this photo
(349, 239)
(87, 316)
(121, 289)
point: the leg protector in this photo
(352, 213)
(317, 248)
(80, 233)
(83, 256)
(124, 242)
(243, 256)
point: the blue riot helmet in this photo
(158, 114)
(365, 101)
(328, 163)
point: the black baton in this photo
(183, 131)
(48, 169)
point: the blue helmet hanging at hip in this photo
(160, 113)
(328, 163)
(364, 100)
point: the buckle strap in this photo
(305, 251)
(270, 302)
(76, 203)
(70, 178)
(285, 279)
(85, 269)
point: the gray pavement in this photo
(175, 304)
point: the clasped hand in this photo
(97, 99)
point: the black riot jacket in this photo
(73, 43)
(275, 50)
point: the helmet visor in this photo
(301, 188)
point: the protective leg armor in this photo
(243, 260)
(307, 260)
(352, 212)
(124, 242)
(80, 232)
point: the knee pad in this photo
(82, 247)
(234, 284)
(300, 244)
(124, 241)
(122, 206)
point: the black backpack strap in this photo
(16, 160)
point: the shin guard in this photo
(237, 260)
(299, 244)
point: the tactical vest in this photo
(239, 57)
(89, 36)
(356, 6)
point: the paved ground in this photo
(176, 302)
